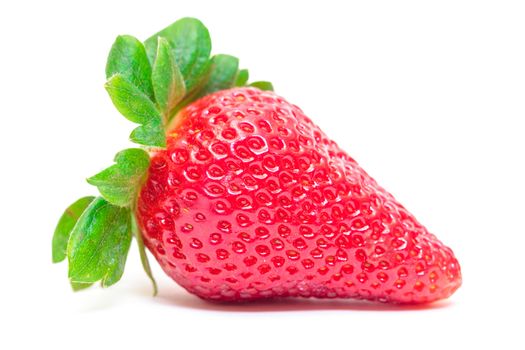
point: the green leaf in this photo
(128, 58)
(65, 225)
(118, 184)
(242, 77)
(223, 74)
(150, 134)
(138, 108)
(79, 286)
(99, 244)
(263, 85)
(191, 44)
(168, 82)
(142, 251)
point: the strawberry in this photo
(238, 194)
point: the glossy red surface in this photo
(252, 200)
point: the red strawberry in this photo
(252, 200)
(242, 197)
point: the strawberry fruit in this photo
(237, 193)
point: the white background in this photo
(427, 96)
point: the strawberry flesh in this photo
(252, 200)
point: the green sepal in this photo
(168, 82)
(133, 104)
(128, 58)
(242, 77)
(118, 184)
(223, 74)
(76, 286)
(142, 251)
(66, 223)
(99, 244)
(191, 45)
(262, 85)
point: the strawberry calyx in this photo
(149, 83)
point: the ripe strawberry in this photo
(243, 197)
(251, 200)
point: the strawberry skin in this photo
(252, 200)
